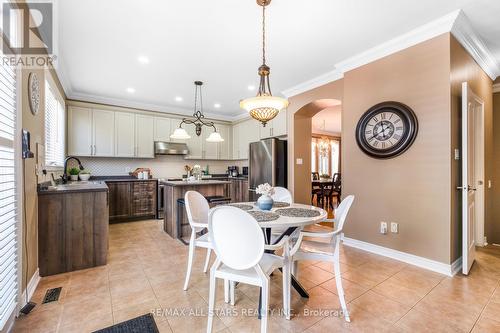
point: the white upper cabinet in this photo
(144, 136)
(279, 124)
(248, 131)
(103, 134)
(195, 143)
(162, 129)
(80, 131)
(236, 141)
(224, 148)
(210, 149)
(124, 134)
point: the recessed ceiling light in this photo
(178, 99)
(130, 90)
(217, 105)
(251, 87)
(143, 60)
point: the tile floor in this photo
(146, 270)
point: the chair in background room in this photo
(325, 246)
(197, 213)
(316, 190)
(239, 245)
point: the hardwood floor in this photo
(146, 268)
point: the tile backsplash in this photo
(161, 166)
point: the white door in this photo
(210, 149)
(470, 105)
(144, 136)
(124, 134)
(194, 144)
(103, 133)
(162, 129)
(80, 131)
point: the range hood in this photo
(170, 148)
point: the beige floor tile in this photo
(492, 311)
(380, 306)
(420, 322)
(91, 324)
(136, 310)
(314, 274)
(392, 289)
(352, 290)
(486, 325)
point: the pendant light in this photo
(264, 107)
(198, 121)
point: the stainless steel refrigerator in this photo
(268, 164)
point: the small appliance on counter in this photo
(245, 171)
(142, 173)
(233, 171)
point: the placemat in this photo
(297, 212)
(241, 206)
(276, 204)
(261, 216)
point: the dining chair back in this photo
(315, 175)
(282, 194)
(341, 212)
(197, 209)
(236, 237)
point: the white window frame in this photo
(57, 94)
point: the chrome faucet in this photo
(65, 174)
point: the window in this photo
(8, 194)
(54, 126)
(325, 155)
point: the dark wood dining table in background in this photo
(322, 183)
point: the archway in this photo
(302, 123)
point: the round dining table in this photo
(287, 225)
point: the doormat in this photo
(142, 324)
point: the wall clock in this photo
(387, 130)
(34, 93)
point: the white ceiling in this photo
(328, 121)
(218, 42)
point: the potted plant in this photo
(73, 172)
(84, 175)
(265, 201)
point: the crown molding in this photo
(496, 88)
(462, 30)
(455, 22)
(318, 81)
(143, 106)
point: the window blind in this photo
(8, 204)
(54, 127)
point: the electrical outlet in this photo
(394, 227)
(383, 228)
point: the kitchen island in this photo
(175, 190)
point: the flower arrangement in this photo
(265, 189)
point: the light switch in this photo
(300, 161)
(457, 154)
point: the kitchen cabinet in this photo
(224, 148)
(129, 200)
(239, 190)
(119, 198)
(246, 132)
(144, 136)
(235, 141)
(210, 149)
(162, 129)
(80, 131)
(194, 143)
(103, 135)
(276, 127)
(124, 134)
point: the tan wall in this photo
(494, 224)
(411, 189)
(299, 114)
(465, 69)
(35, 124)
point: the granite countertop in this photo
(123, 178)
(74, 187)
(195, 183)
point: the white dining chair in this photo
(281, 194)
(239, 244)
(326, 250)
(197, 213)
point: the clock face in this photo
(386, 130)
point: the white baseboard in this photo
(30, 289)
(408, 258)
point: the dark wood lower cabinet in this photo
(239, 190)
(72, 231)
(131, 200)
